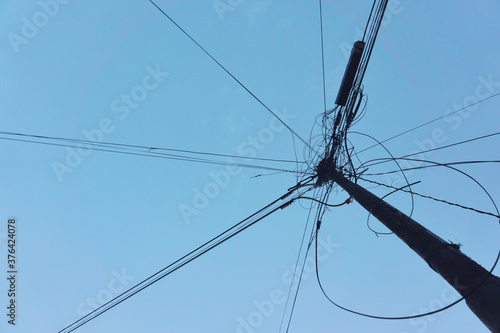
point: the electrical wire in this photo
(429, 122)
(435, 164)
(395, 160)
(149, 148)
(229, 73)
(449, 165)
(396, 189)
(372, 35)
(303, 262)
(368, 21)
(322, 53)
(207, 246)
(324, 203)
(430, 312)
(430, 197)
(339, 127)
(388, 317)
(151, 154)
(442, 147)
(371, 42)
(295, 270)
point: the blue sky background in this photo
(118, 215)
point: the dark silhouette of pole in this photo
(478, 286)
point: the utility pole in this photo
(479, 287)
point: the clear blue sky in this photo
(90, 226)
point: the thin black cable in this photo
(396, 189)
(229, 73)
(324, 203)
(448, 165)
(395, 318)
(372, 316)
(180, 263)
(438, 310)
(435, 164)
(157, 155)
(395, 161)
(432, 198)
(373, 39)
(439, 148)
(302, 270)
(322, 53)
(429, 122)
(320, 211)
(368, 21)
(149, 148)
(295, 268)
(241, 228)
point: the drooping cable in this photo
(497, 215)
(388, 317)
(396, 189)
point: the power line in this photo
(322, 53)
(148, 148)
(449, 165)
(438, 148)
(430, 197)
(155, 155)
(368, 21)
(320, 211)
(430, 121)
(366, 314)
(231, 75)
(377, 21)
(385, 196)
(207, 246)
(366, 199)
(435, 164)
(294, 273)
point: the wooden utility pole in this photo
(479, 287)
